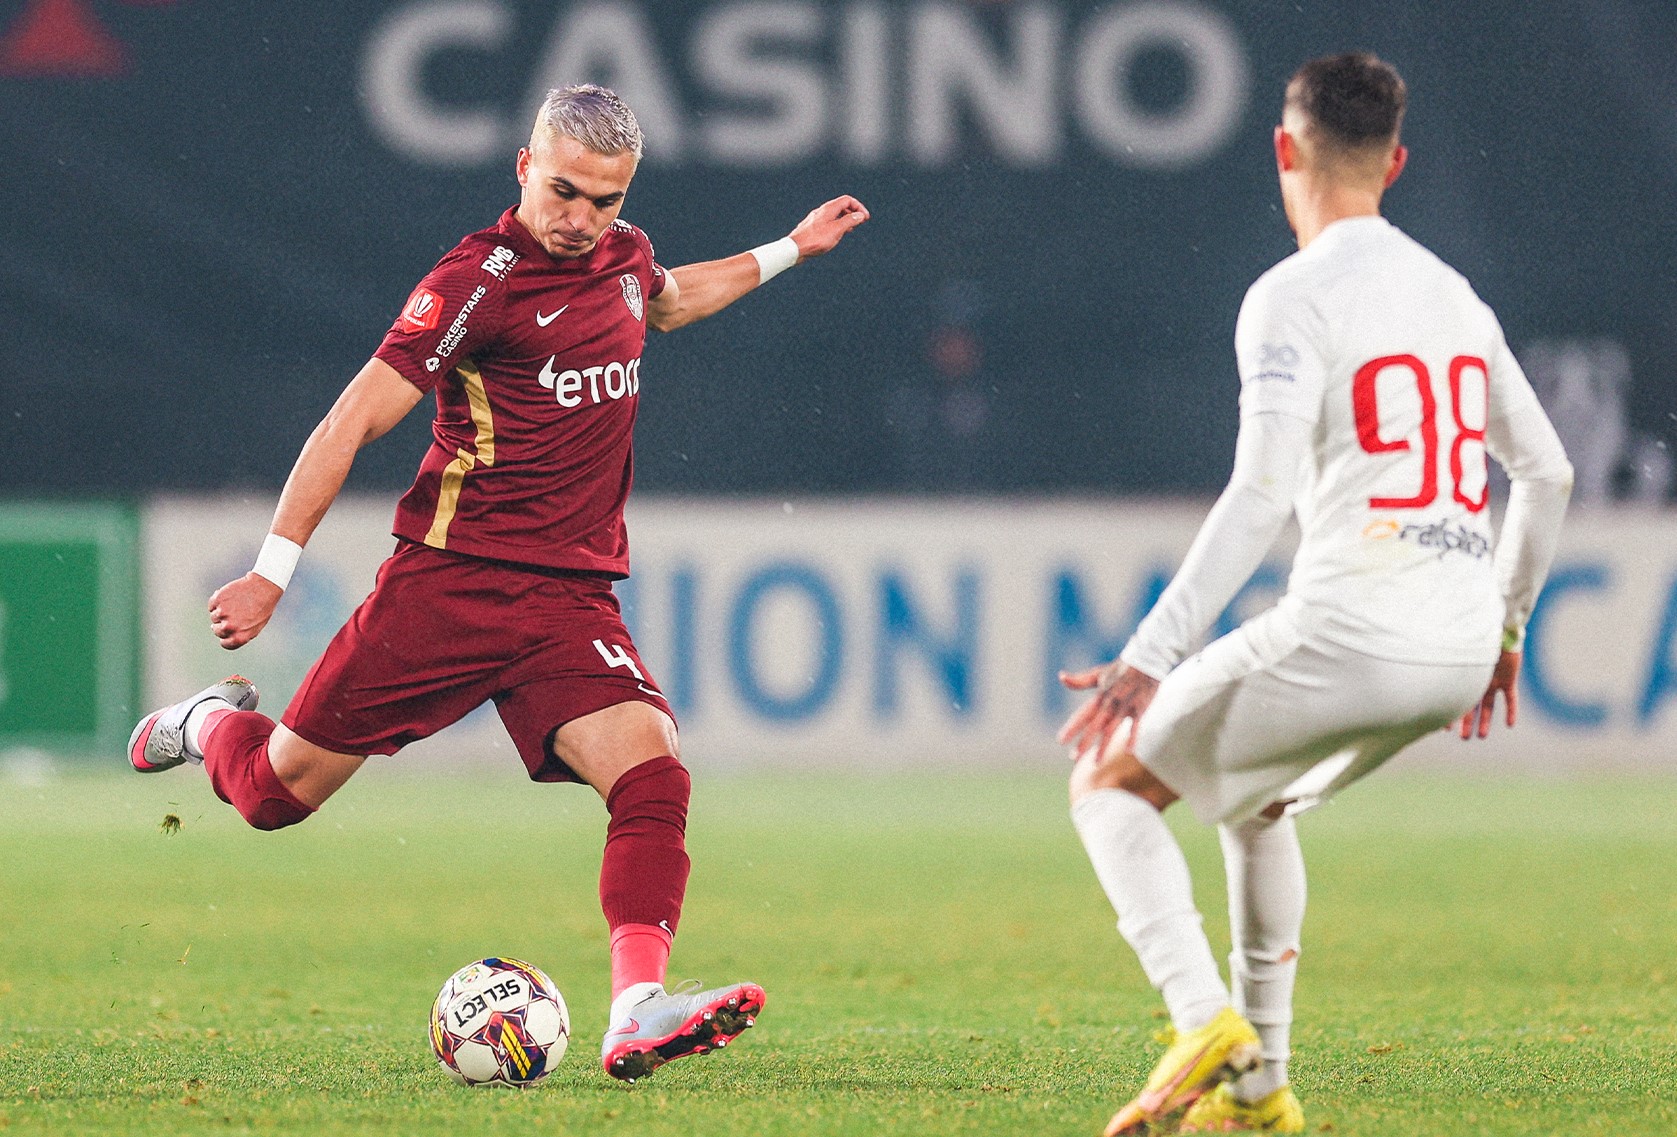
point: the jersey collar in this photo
(525, 243)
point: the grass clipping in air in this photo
(1479, 959)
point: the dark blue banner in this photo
(212, 211)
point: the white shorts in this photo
(1263, 715)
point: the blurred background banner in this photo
(212, 211)
(908, 633)
(69, 603)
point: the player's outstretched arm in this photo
(693, 292)
(375, 400)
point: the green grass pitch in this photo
(1481, 958)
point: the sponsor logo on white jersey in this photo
(1440, 535)
(632, 293)
(1275, 363)
(571, 387)
(1447, 539)
(500, 262)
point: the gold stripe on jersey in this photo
(454, 474)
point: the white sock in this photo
(195, 722)
(1145, 876)
(1266, 914)
(631, 995)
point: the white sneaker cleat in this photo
(159, 741)
(660, 1026)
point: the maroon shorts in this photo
(443, 633)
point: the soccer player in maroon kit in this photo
(530, 332)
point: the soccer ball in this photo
(499, 1022)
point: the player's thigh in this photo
(423, 650)
(1232, 727)
(584, 707)
(1398, 704)
(603, 746)
(312, 773)
(1301, 722)
(1190, 715)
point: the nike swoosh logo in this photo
(544, 321)
(629, 1027)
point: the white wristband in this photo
(277, 560)
(775, 258)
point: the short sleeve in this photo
(452, 313)
(657, 276)
(1280, 345)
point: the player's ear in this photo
(1286, 150)
(1399, 157)
(523, 165)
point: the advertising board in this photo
(889, 633)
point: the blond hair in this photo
(593, 115)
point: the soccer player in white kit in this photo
(1374, 382)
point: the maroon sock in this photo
(235, 746)
(643, 877)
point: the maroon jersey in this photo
(535, 361)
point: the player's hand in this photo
(240, 609)
(1121, 694)
(826, 226)
(1477, 721)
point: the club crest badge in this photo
(632, 293)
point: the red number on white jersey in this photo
(1365, 405)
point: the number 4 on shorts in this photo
(618, 657)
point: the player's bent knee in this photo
(273, 813)
(606, 746)
(660, 785)
(1123, 771)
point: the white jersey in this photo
(1400, 382)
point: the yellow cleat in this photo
(1223, 1048)
(1221, 1112)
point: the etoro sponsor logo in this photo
(422, 313)
(601, 384)
(457, 330)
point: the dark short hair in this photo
(1356, 99)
